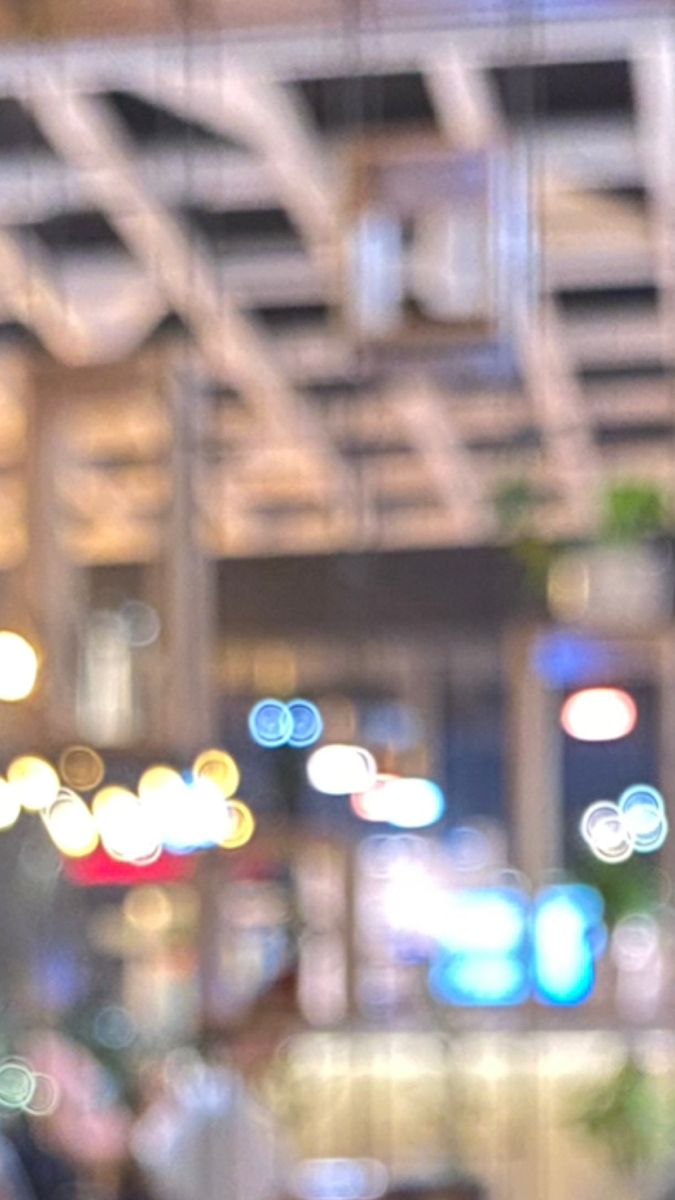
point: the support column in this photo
(49, 587)
(184, 586)
(534, 763)
(666, 749)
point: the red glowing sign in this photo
(100, 870)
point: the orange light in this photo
(601, 714)
(373, 804)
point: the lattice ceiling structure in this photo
(173, 183)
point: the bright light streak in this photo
(644, 815)
(19, 666)
(307, 724)
(270, 723)
(71, 826)
(372, 805)
(414, 803)
(10, 805)
(339, 770)
(604, 830)
(599, 715)
(34, 782)
(81, 768)
(220, 769)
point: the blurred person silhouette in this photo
(39, 1170)
(205, 1133)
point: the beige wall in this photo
(499, 1105)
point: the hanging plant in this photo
(518, 505)
(634, 511)
(627, 1119)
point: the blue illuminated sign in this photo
(500, 948)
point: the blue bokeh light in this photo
(307, 724)
(562, 659)
(565, 943)
(644, 814)
(270, 723)
(497, 949)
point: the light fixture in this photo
(600, 714)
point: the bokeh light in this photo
(142, 623)
(114, 1028)
(242, 826)
(10, 805)
(414, 803)
(372, 805)
(599, 715)
(22, 1089)
(644, 816)
(71, 825)
(148, 909)
(45, 1098)
(635, 942)
(19, 665)
(339, 770)
(307, 723)
(340, 1179)
(81, 768)
(17, 1084)
(34, 782)
(220, 769)
(604, 830)
(270, 723)
(160, 783)
(126, 827)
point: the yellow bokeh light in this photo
(159, 782)
(220, 769)
(81, 767)
(71, 826)
(34, 782)
(243, 826)
(19, 666)
(10, 806)
(125, 827)
(148, 910)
